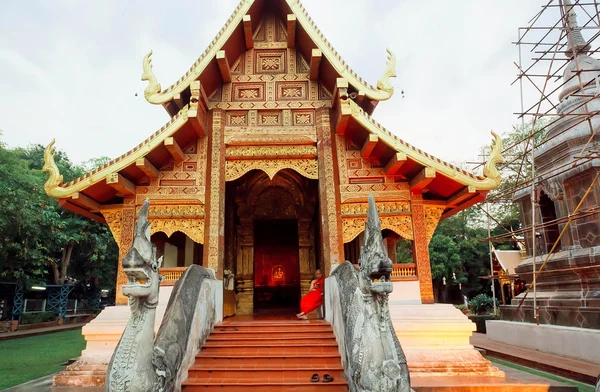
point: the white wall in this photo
(170, 256)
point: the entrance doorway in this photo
(276, 266)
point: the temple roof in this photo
(230, 38)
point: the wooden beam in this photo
(461, 196)
(291, 30)
(224, 66)
(64, 203)
(369, 146)
(315, 63)
(178, 101)
(360, 98)
(394, 164)
(198, 108)
(84, 201)
(248, 31)
(174, 149)
(340, 92)
(479, 196)
(121, 184)
(144, 165)
(422, 179)
(344, 113)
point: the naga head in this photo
(140, 263)
(375, 265)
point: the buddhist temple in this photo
(263, 174)
(266, 163)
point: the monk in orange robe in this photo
(314, 298)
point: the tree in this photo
(38, 236)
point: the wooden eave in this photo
(456, 187)
(232, 39)
(94, 186)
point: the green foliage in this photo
(461, 307)
(34, 229)
(404, 251)
(481, 304)
(37, 317)
(26, 359)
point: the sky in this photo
(71, 70)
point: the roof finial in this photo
(576, 42)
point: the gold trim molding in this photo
(193, 228)
(236, 169)
(399, 224)
(393, 207)
(304, 152)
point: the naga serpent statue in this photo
(374, 360)
(141, 363)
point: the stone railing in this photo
(171, 275)
(403, 272)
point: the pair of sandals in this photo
(326, 378)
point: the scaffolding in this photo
(549, 70)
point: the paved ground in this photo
(568, 367)
(39, 331)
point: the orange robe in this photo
(314, 299)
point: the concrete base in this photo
(102, 335)
(435, 340)
(578, 343)
(406, 293)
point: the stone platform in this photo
(435, 340)
(578, 343)
(102, 335)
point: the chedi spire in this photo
(576, 44)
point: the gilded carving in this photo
(113, 220)
(148, 75)
(193, 228)
(291, 91)
(248, 91)
(399, 224)
(394, 207)
(432, 217)
(271, 151)
(272, 139)
(176, 211)
(421, 251)
(54, 178)
(270, 62)
(216, 197)
(235, 169)
(237, 118)
(126, 237)
(269, 118)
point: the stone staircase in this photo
(267, 356)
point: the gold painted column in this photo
(214, 229)
(329, 197)
(421, 248)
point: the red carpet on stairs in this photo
(268, 356)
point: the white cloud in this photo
(72, 69)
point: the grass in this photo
(581, 386)
(26, 359)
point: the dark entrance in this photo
(276, 266)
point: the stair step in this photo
(267, 356)
(269, 349)
(269, 359)
(301, 373)
(275, 334)
(262, 385)
(267, 340)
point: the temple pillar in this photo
(329, 193)
(121, 222)
(245, 268)
(214, 229)
(421, 248)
